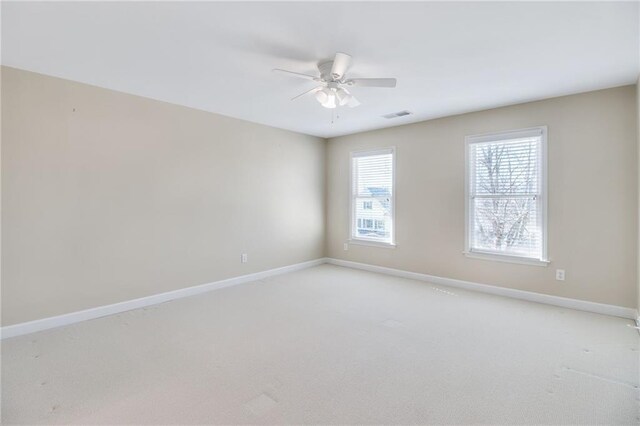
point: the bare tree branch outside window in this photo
(505, 202)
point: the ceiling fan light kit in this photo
(333, 96)
(331, 93)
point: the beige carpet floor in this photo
(329, 345)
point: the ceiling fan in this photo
(332, 91)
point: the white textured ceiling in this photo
(448, 58)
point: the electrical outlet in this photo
(346, 246)
(560, 274)
(244, 258)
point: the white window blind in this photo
(506, 194)
(372, 194)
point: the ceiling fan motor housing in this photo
(325, 71)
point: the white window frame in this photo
(352, 199)
(542, 205)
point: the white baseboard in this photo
(581, 305)
(101, 311)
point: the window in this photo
(506, 195)
(372, 196)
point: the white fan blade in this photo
(372, 82)
(340, 65)
(315, 89)
(296, 74)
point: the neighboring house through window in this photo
(506, 195)
(372, 193)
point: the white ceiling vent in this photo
(397, 114)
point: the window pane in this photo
(505, 196)
(372, 198)
(509, 167)
(373, 223)
(507, 225)
(374, 174)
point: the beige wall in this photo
(593, 196)
(108, 197)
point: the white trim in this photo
(101, 311)
(508, 135)
(506, 258)
(363, 242)
(581, 305)
(544, 198)
(370, 152)
(540, 131)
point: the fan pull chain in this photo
(334, 116)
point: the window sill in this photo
(371, 243)
(506, 258)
